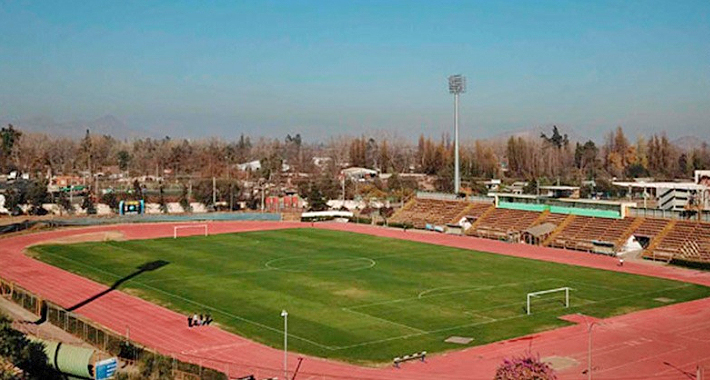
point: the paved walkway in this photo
(663, 343)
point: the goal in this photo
(201, 227)
(543, 292)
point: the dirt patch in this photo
(92, 236)
(664, 299)
(545, 328)
(559, 363)
(458, 340)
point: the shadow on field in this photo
(147, 267)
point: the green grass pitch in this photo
(359, 298)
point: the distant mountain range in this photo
(105, 125)
(688, 143)
(111, 125)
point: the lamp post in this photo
(589, 346)
(284, 314)
(457, 86)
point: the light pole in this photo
(589, 347)
(457, 85)
(284, 314)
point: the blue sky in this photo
(350, 67)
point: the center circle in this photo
(320, 264)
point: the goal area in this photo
(537, 294)
(203, 229)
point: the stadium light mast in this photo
(457, 86)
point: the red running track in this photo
(662, 343)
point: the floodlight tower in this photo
(457, 85)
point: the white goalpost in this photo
(200, 226)
(537, 294)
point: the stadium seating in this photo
(419, 212)
(592, 234)
(553, 218)
(686, 240)
(651, 227)
(502, 223)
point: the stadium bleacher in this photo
(592, 234)
(502, 223)
(421, 211)
(663, 239)
(686, 240)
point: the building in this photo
(675, 196)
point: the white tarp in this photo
(336, 214)
(631, 245)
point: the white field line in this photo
(471, 313)
(198, 276)
(599, 286)
(371, 264)
(336, 348)
(500, 319)
(383, 320)
(420, 296)
(223, 312)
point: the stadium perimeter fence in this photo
(145, 218)
(100, 337)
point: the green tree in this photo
(124, 159)
(161, 200)
(185, 199)
(156, 367)
(137, 190)
(63, 202)
(27, 355)
(316, 200)
(557, 140)
(111, 200)
(10, 137)
(37, 195)
(88, 204)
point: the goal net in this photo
(190, 229)
(537, 295)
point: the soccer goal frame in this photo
(176, 228)
(541, 292)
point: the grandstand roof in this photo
(521, 196)
(541, 230)
(570, 188)
(662, 185)
(597, 202)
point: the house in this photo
(250, 166)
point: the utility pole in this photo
(214, 192)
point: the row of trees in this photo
(553, 156)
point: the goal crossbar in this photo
(176, 228)
(541, 292)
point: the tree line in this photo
(549, 156)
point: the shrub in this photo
(526, 367)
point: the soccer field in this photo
(355, 297)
